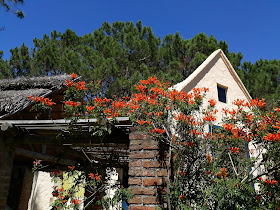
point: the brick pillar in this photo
(147, 172)
(6, 165)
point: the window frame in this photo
(226, 89)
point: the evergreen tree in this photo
(9, 5)
(20, 61)
(118, 54)
(262, 78)
(4, 67)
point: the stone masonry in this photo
(147, 172)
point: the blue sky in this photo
(248, 26)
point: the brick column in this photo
(147, 172)
(6, 165)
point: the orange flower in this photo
(68, 83)
(91, 175)
(72, 103)
(189, 144)
(158, 113)
(234, 150)
(209, 118)
(228, 127)
(225, 110)
(257, 102)
(141, 122)
(149, 122)
(73, 75)
(182, 173)
(270, 182)
(181, 196)
(223, 173)
(208, 172)
(55, 172)
(274, 126)
(144, 82)
(157, 130)
(61, 197)
(272, 137)
(43, 100)
(205, 89)
(90, 108)
(94, 176)
(81, 86)
(71, 167)
(37, 162)
(55, 194)
(238, 102)
(76, 201)
(209, 158)
(97, 178)
(168, 107)
(153, 80)
(141, 87)
(212, 102)
(195, 132)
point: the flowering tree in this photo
(219, 169)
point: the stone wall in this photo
(147, 172)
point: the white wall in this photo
(41, 194)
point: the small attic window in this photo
(222, 94)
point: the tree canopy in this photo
(122, 53)
(118, 54)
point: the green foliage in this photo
(121, 195)
(119, 54)
(4, 67)
(9, 6)
(262, 79)
(206, 170)
(122, 53)
(20, 61)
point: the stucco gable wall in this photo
(216, 72)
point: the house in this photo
(23, 139)
(217, 74)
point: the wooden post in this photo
(6, 165)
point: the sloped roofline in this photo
(180, 86)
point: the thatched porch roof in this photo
(14, 92)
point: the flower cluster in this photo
(72, 103)
(234, 150)
(157, 130)
(95, 176)
(76, 201)
(43, 100)
(223, 173)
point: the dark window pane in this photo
(222, 94)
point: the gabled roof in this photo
(200, 70)
(14, 92)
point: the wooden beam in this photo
(112, 140)
(60, 121)
(39, 156)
